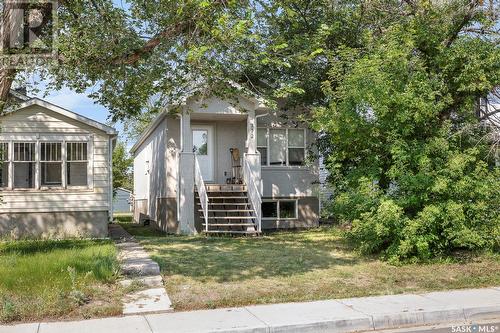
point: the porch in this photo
(219, 175)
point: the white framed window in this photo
(24, 167)
(4, 164)
(279, 209)
(51, 164)
(77, 164)
(44, 164)
(281, 146)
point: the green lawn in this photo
(58, 279)
(295, 266)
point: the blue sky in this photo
(75, 102)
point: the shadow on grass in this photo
(240, 259)
(36, 246)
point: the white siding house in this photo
(56, 175)
(122, 201)
(222, 166)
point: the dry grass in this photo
(58, 280)
(317, 264)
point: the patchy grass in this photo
(123, 218)
(142, 231)
(317, 264)
(58, 279)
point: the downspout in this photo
(112, 139)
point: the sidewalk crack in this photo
(262, 321)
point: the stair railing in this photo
(252, 180)
(202, 190)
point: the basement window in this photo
(281, 209)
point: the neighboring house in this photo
(247, 164)
(56, 178)
(122, 201)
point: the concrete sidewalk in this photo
(343, 315)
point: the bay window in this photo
(51, 163)
(281, 146)
(76, 163)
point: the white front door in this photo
(203, 147)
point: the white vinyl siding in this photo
(38, 124)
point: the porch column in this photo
(251, 132)
(186, 178)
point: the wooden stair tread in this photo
(228, 210)
(215, 197)
(231, 217)
(230, 232)
(229, 224)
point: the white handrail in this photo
(202, 190)
(253, 190)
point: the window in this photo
(269, 209)
(262, 145)
(296, 147)
(200, 142)
(279, 209)
(51, 163)
(24, 165)
(76, 163)
(287, 209)
(4, 164)
(281, 147)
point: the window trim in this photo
(9, 164)
(37, 141)
(88, 161)
(268, 150)
(278, 218)
(39, 162)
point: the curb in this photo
(343, 315)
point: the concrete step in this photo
(153, 300)
(154, 281)
(140, 267)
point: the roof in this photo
(69, 114)
(123, 189)
(257, 100)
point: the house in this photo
(56, 178)
(219, 166)
(122, 201)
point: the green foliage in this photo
(412, 165)
(122, 167)
(53, 278)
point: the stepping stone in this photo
(153, 300)
(154, 281)
(140, 267)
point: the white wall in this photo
(38, 122)
(150, 168)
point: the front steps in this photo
(229, 210)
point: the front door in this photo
(203, 147)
